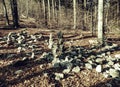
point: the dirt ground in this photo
(33, 74)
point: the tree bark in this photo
(92, 29)
(95, 18)
(100, 21)
(14, 13)
(27, 8)
(43, 7)
(48, 10)
(46, 14)
(118, 12)
(74, 13)
(85, 11)
(59, 12)
(53, 10)
(5, 12)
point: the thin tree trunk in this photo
(27, 8)
(59, 12)
(20, 8)
(48, 10)
(43, 7)
(74, 13)
(46, 14)
(5, 12)
(66, 9)
(92, 30)
(106, 20)
(100, 21)
(39, 8)
(14, 13)
(118, 12)
(56, 13)
(85, 11)
(53, 10)
(95, 19)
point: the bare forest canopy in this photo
(60, 13)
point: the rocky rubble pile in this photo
(71, 60)
(79, 58)
(22, 41)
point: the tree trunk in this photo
(118, 12)
(43, 7)
(66, 7)
(14, 13)
(48, 10)
(92, 29)
(95, 18)
(100, 21)
(53, 10)
(74, 13)
(59, 12)
(106, 19)
(85, 11)
(27, 8)
(46, 13)
(5, 12)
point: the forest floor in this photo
(33, 72)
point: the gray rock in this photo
(114, 73)
(117, 56)
(108, 85)
(106, 75)
(100, 56)
(10, 55)
(50, 44)
(108, 53)
(66, 70)
(45, 74)
(59, 76)
(99, 60)
(18, 72)
(117, 66)
(56, 65)
(99, 68)
(103, 54)
(74, 53)
(90, 61)
(107, 47)
(110, 58)
(92, 57)
(76, 69)
(115, 45)
(66, 65)
(88, 66)
(107, 66)
(79, 56)
(111, 63)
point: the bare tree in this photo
(53, 10)
(118, 11)
(43, 7)
(92, 29)
(85, 11)
(49, 10)
(27, 8)
(74, 13)
(59, 12)
(100, 21)
(14, 13)
(95, 16)
(5, 12)
(46, 13)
